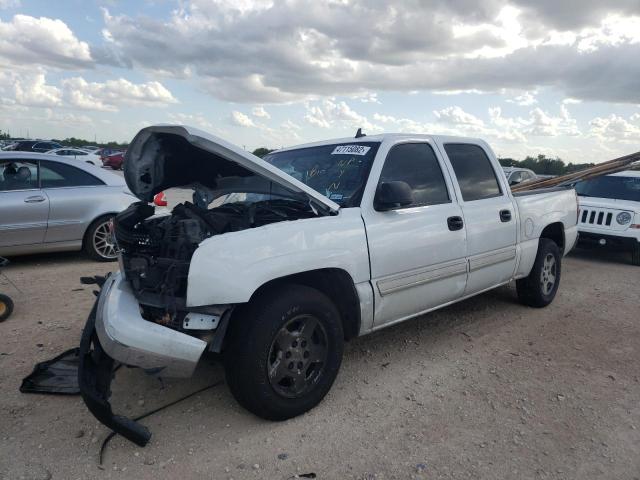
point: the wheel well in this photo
(555, 232)
(335, 284)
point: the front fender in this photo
(229, 268)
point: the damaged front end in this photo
(142, 317)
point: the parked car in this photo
(78, 154)
(33, 146)
(113, 160)
(53, 203)
(280, 260)
(518, 175)
(91, 148)
(610, 212)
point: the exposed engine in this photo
(156, 252)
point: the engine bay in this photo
(156, 250)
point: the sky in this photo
(560, 78)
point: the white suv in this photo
(610, 212)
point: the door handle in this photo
(34, 199)
(505, 216)
(455, 223)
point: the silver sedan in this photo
(50, 203)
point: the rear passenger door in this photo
(417, 256)
(489, 216)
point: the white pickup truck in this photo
(279, 260)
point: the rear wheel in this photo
(98, 242)
(6, 307)
(540, 287)
(285, 352)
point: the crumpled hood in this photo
(166, 156)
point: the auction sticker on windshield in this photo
(350, 150)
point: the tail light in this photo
(160, 200)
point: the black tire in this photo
(91, 244)
(536, 290)
(253, 348)
(6, 307)
(635, 254)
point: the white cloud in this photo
(260, 112)
(197, 120)
(615, 128)
(240, 119)
(330, 113)
(315, 116)
(108, 96)
(27, 40)
(464, 46)
(367, 97)
(525, 100)
(457, 116)
(32, 90)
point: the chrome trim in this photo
(420, 277)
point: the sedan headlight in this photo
(623, 218)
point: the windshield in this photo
(338, 171)
(620, 188)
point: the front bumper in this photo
(115, 331)
(613, 242)
(130, 339)
(95, 373)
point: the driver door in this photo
(24, 208)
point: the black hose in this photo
(156, 410)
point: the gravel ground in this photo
(483, 389)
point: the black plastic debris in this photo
(56, 376)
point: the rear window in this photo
(617, 187)
(58, 175)
(474, 171)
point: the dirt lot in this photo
(483, 389)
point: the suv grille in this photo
(600, 218)
(595, 216)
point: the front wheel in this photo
(540, 287)
(98, 242)
(285, 352)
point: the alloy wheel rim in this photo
(3, 308)
(297, 356)
(103, 242)
(548, 274)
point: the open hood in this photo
(166, 156)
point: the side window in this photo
(57, 175)
(18, 175)
(473, 170)
(417, 165)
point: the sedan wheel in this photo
(99, 241)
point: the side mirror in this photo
(391, 195)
